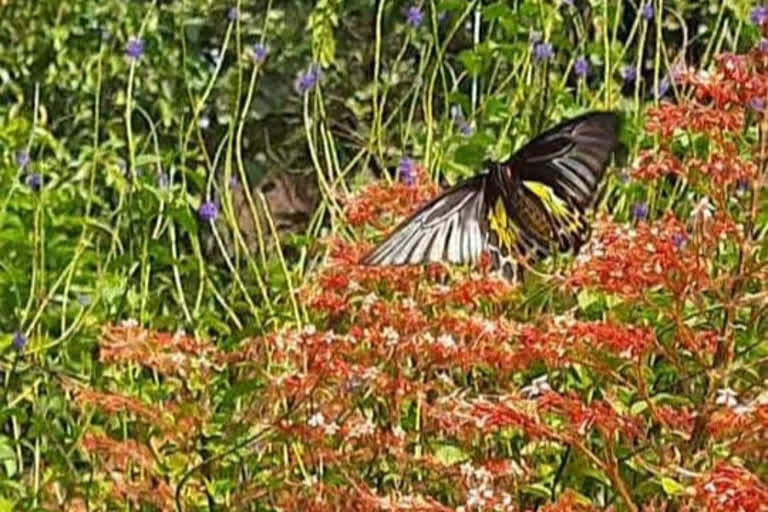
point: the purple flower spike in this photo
(759, 15)
(663, 87)
(22, 159)
(34, 181)
(543, 51)
(19, 341)
(306, 81)
(757, 104)
(581, 67)
(415, 16)
(260, 52)
(208, 211)
(135, 48)
(648, 11)
(640, 211)
(407, 171)
(628, 74)
(679, 240)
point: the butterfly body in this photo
(520, 210)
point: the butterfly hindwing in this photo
(450, 228)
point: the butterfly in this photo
(520, 210)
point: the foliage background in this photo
(129, 149)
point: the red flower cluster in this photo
(391, 200)
(728, 488)
(169, 354)
(630, 260)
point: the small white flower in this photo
(129, 322)
(537, 387)
(316, 420)
(489, 327)
(369, 300)
(309, 330)
(409, 303)
(727, 397)
(703, 209)
(467, 469)
(390, 335)
(447, 341)
(398, 432)
(331, 428)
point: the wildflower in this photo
(543, 51)
(628, 74)
(763, 46)
(407, 170)
(742, 187)
(163, 180)
(19, 341)
(663, 87)
(233, 14)
(446, 341)
(316, 420)
(234, 181)
(640, 211)
(306, 81)
(34, 181)
(703, 209)
(204, 122)
(757, 104)
(208, 211)
(679, 240)
(581, 67)
(648, 11)
(726, 397)
(259, 52)
(135, 48)
(759, 15)
(458, 117)
(22, 159)
(537, 387)
(415, 16)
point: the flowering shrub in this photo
(635, 387)
(631, 377)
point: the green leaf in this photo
(672, 487)
(470, 154)
(449, 454)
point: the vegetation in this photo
(186, 188)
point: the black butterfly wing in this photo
(450, 228)
(560, 171)
(571, 157)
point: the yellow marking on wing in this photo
(556, 205)
(500, 224)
